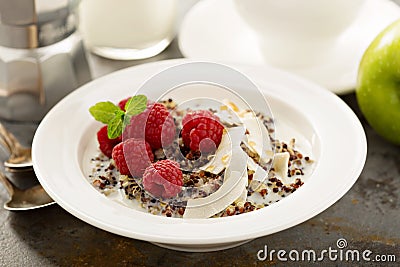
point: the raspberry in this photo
(163, 179)
(155, 125)
(106, 144)
(201, 131)
(132, 157)
(122, 103)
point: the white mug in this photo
(127, 29)
(297, 33)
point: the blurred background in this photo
(368, 214)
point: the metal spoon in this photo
(32, 198)
(20, 156)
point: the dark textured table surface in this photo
(367, 217)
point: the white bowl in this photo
(326, 126)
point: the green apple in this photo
(378, 83)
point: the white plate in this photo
(212, 30)
(327, 126)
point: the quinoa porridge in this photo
(199, 169)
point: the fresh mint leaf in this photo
(127, 121)
(115, 118)
(115, 125)
(136, 105)
(104, 111)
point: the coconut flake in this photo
(231, 140)
(229, 113)
(258, 139)
(259, 173)
(235, 179)
(281, 166)
(243, 196)
(231, 190)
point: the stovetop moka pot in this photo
(42, 57)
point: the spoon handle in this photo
(7, 184)
(9, 140)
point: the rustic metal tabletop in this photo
(367, 218)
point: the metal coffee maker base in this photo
(32, 81)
